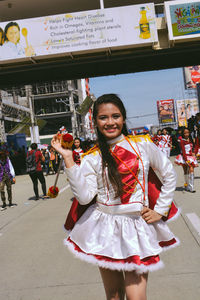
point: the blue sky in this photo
(140, 91)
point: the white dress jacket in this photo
(111, 233)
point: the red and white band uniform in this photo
(77, 155)
(112, 233)
(156, 139)
(187, 156)
(188, 159)
(197, 147)
(165, 144)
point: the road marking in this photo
(63, 189)
(194, 219)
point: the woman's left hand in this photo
(150, 216)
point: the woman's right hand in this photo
(66, 153)
(56, 144)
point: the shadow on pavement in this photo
(180, 188)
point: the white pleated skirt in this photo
(119, 242)
(191, 161)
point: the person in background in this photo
(53, 160)
(187, 159)
(57, 161)
(77, 151)
(157, 138)
(46, 161)
(37, 173)
(165, 143)
(7, 177)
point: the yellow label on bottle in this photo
(144, 27)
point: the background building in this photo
(48, 105)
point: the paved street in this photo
(35, 265)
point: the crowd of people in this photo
(35, 162)
(185, 143)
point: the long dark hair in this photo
(78, 139)
(190, 137)
(107, 158)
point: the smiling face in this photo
(109, 120)
(186, 133)
(13, 34)
(164, 131)
(77, 143)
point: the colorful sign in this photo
(192, 76)
(165, 110)
(183, 19)
(186, 108)
(79, 32)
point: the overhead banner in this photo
(191, 76)
(166, 113)
(186, 108)
(79, 32)
(183, 19)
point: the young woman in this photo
(119, 233)
(165, 143)
(187, 159)
(77, 151)
(12, 47)
(157, 137)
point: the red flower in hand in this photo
(67, 137)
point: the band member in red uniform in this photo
(165, 143)
(197, 147)
(157, 138)
(119, 233)
(187, 159)
(77, 151)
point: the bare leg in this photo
(185, 169)
(135, 285)
(113, 284)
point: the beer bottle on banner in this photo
(144, 24)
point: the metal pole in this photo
(29, 98)
(71, 103)
(101, 4)
(71, 90)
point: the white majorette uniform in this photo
(77, 155)
(165, 144)
(187, 154)
(111, 233)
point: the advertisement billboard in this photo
(85, 31)
(186, 108)
(183, 19)
(166, 113)
(191, 76)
